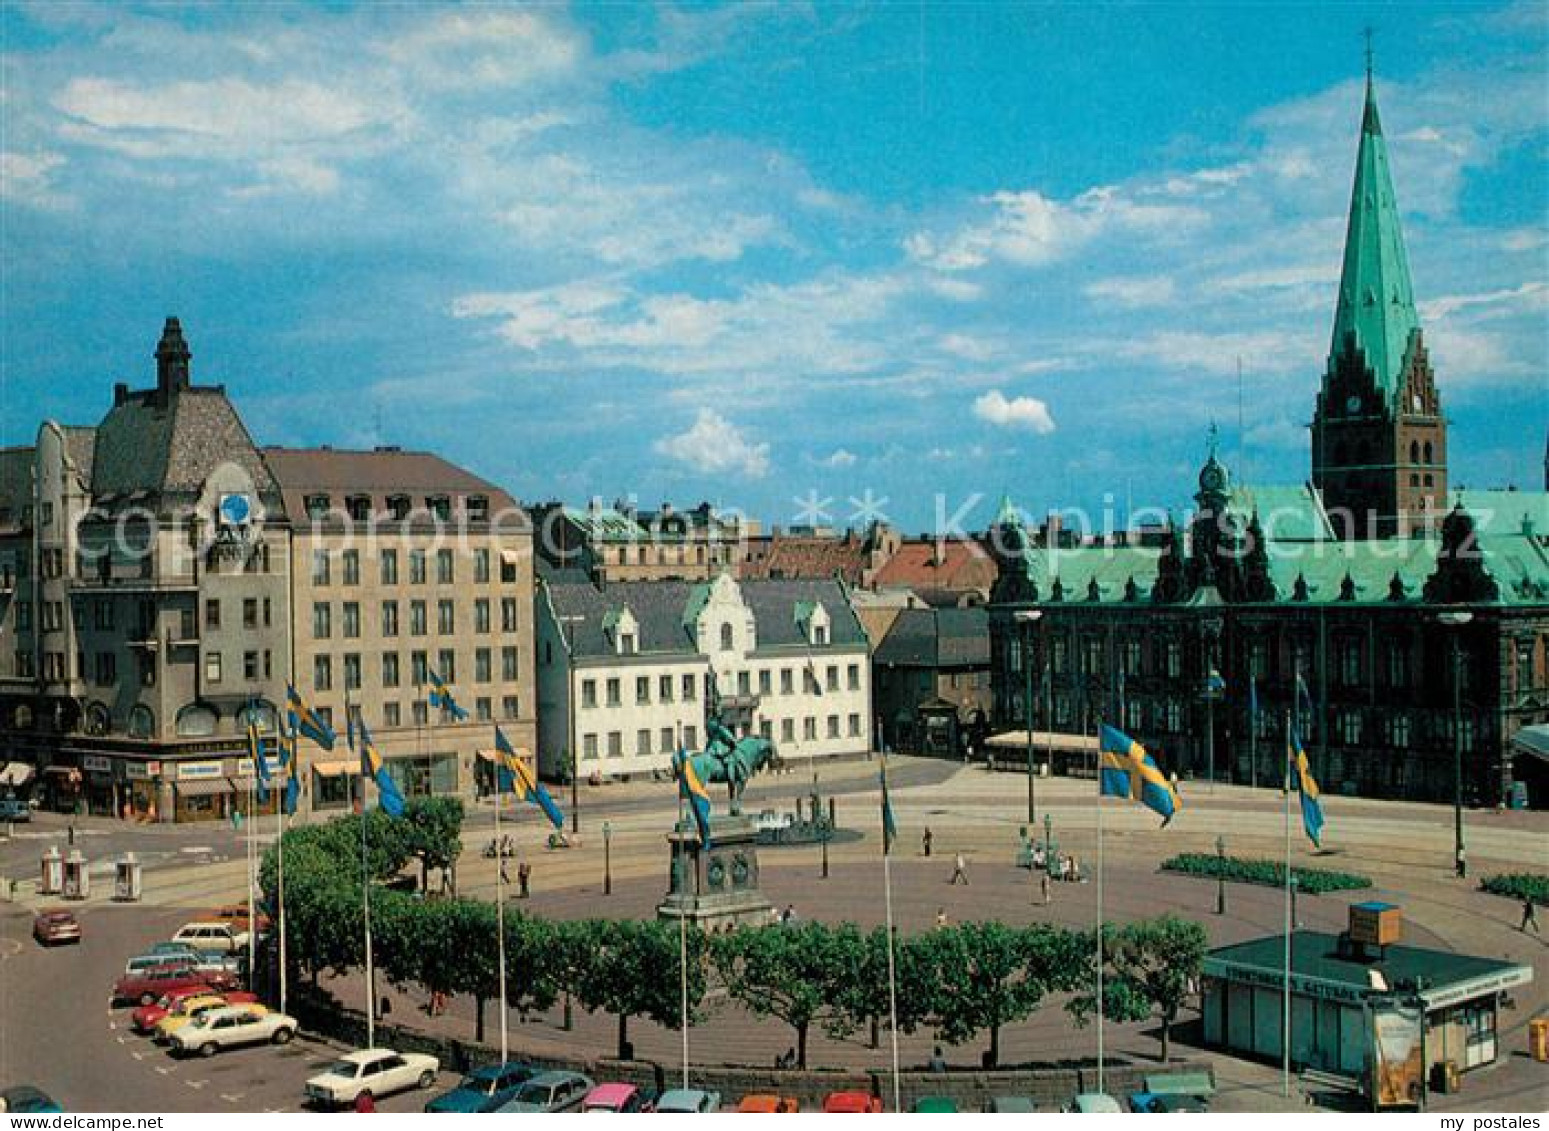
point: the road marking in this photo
(196, 1084)
(136, 1055)
(164, 1071)
(232, 1099)
(121, 1040)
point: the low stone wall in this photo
(1050, 1087)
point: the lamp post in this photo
(1212, 629)
(607, 859)
(567, 634)
(1025, 618)
(1457, 619)
(1048, 835)
(1220, 875)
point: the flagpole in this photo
(1253, 732)
(365, 889)
(279, 857)
(252, 878)
(1099, 909)
(1285, 1003)
(683, 938)
(892, 976)
(500, 917)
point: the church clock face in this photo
(1353, 405)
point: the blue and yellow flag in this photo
(306, 721)
(255, 751)
(512, 775)
(292, 787)
(1214, 683)
(372, 766)
(441, 696)
(1253, 698)
(1303, 697)
(692, 790)
(889, 825)
(1307, 786)
(1129, 772)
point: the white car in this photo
(228, 1026)
(222, 938)
(374, 1071)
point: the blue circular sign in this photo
(235, 510)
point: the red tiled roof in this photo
(948, 564)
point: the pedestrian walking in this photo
(938, 1063)
(1529, 915)
(925, 839)
(941, 916)
(959, 870)
(364, 1103)
(1043, 886)
(505, 879)
(523, 879)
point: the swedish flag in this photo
(692, 790)
(292, 788)
(889, 825)
(1307, 786)
(441, 696)
(512, 775)
(306, 721)
(255, 751)
(1128, 771)
(372, 766)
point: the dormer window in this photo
(623, 632)
(820, 634)
(478, 508)
(398, 507)
(626, 643)
(316, 505)
(358, 507)
(440, 506)
(728, 641)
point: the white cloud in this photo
(26, 178)
(1532, 296)
(470, 48)
(839, 458)
(1134, 291)
(1018, 412)
(714, 445)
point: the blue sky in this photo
(760, 254)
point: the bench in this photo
(1181, 1084)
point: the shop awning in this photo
(16, 773)
(204, 787)
(489, 755)
(1532, 741)
(1043, 740)
(334, 769)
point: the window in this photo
(726, 638)
(831, 681)
(481, 566)
(1398, 731)
(322, 620)
(1524, 666)
(1350, 663)
(1059, 655)
(387, 567)
(392, 715)
(417, 619)
(854, 675)
(1132, 657)
(478, 508)
(820, 635)
(419, 668)
(689, 684)
(642, 690)
(1174, 718)
(508, 614)
(351, 620)
(212, 667)
(212, 614)
(481, 615)
(249, 612)
(833, 726)
(352, 672)
(665, 738)
(250, 666)
(508, 663)
(787, 684)
(1350, 728)
(855, 726)
(787, 730)
(416, 567)
(390, 669)
(147, 662)
(389, 618)
(809, 728)
(744, 683)
(664, 689)
(627, 644)
(613, 693)
(107, 669)
(446, 665)
(398, 507)
(322, 673)
(443, 567)
(690, 738)
(809, 681)
(483, 709)
(351, 567)
(446, 618)
(589, 747)
(421, 713)
(615, 744)
(588, 693)
(643, 743)
(483, 666)
(1173, 658)
(765, 681)
(1398, 664)
(440, 506)
(508, 706)
(316, 506)
(320, 568)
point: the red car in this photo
(851, 1103)
(148, 985)
(56, 925)
(145, 1016)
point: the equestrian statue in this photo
(727, 758)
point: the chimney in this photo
(172, 358)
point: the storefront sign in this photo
(96, 763)
(1397, 1044)
(138, 771)
(153, 769)
(1477, 987)
(192, 771)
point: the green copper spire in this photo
(1376, 297)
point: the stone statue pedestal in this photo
(719, 887)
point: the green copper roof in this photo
(1376, 298)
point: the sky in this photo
(820, 263)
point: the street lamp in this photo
(567, 634)
(1211, 629)
(607, 859)
(1220, 875)
(1025, 618)
(1457, 619)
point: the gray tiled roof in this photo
(659, 608)
(934, 638)
(15, 484)
(378, 474)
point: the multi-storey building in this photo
(159, 584)
(621, 543)
(931, 680)
(1420, 628)
(625, 671)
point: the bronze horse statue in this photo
(732, 760)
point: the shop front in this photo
(424, 775)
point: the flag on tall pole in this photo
(1253, 730)
(693, 791)
(513, 775)
(1128, 771)
(889, 835)
(441, 696)
(889, 825)
(1301, 776)
(373, 766)
(255, 752)
(290, 792)
(308, 722)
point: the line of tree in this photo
(961, 981)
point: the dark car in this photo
(484, 1089)
(56, 925)
(147, 986)
(1154, 1104)
(26, 1100)
(13, 808)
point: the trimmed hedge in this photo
(1269, 873)
(1519, 885)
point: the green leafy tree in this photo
(1151, 966)
(432, 831)
(800, 974)
(631, 969)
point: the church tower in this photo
(1379, 443)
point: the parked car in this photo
(851, 1103)
(688, 1101)
(211, 935)
(371, 1072)
(1152, 1103)
(24, 1099)
(144, 1017)
(240, 917)
(1011, 1105)
(231, 1026)
(13, 808)
(148, 985)
(620, 1099)
(172, 1024)
(550, 1092)
(1094, 1103)
(484, 1089)
(56, 925)
(768, 1104)
(934, 1105)
(156, 960)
